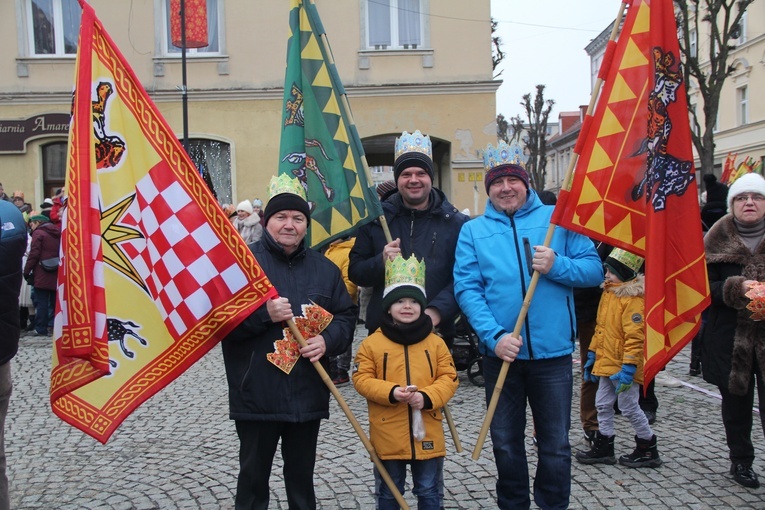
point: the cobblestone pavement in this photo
(179, 450)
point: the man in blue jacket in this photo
(13, 244)
(496, 255)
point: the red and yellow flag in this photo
(153, 275)
(635, 185)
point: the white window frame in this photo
(394, 28)
(742, 30)
(694, 42)
(58, 30)
(742, 105)
(170, 51)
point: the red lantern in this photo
(196, 23)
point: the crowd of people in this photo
(415, 271)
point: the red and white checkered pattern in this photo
(182, 261)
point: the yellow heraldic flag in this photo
(634, 186)
(153, 275)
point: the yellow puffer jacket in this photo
(620, 328)
(381, 365)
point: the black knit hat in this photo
(412, 159)
(287, 202)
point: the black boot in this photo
(646, 454)
(602, 451)
(31, 326)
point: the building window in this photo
(693, 43)
(741, 29)
(54, 167)
(213, 32)
(53, 27)
(394, 24)
(213, 160)
(742, 97)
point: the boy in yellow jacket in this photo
(615, 362)
(404, 370)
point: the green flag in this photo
(319, 144)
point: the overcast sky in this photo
(544, 42)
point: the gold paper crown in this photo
(632, 261)
(285, 184)
(401, 271)
(415, 142)
(504, 154)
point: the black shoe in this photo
(651, 415)
(694, 372)
(646, 454)
(341, 379)
(744, 475)
(602, 451)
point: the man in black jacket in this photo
(266, 402)
(13, 244)
(423, 223)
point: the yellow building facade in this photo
(405, 64)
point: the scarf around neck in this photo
(406, 334)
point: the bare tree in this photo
(707, 70)
(537, 114)
(497, 55)
(509, 129)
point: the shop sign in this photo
(15, 134)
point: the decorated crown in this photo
(415, 142)
(632, 261)
(285, 184)
(504, 154)
(400, 272)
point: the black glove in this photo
(30, 278)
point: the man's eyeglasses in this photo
(755, 197)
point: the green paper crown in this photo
(632, 261)
(404, 272)
(415, 142)
(285, 184)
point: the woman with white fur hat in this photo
(733, 350)
(247, 222)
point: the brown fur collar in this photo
(724, 246)
(632, 288)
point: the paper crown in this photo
(504, 154)
(632, 261)
(415, 142)
(285, 184)
(401, 272)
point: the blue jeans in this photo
(547, 386)
(45, 309)
(425, 481)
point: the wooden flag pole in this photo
(349, 414)
(535, 278)
(383, 222)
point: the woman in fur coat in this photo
(733, 345)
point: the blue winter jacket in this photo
(493, 271)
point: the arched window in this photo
(213, 159)
(53, 167)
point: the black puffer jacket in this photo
(731, 340)
(430, 234)
(260, 391)
(13, 244)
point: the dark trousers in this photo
(737, 417)
(588, 414)
(257, 445)
(45, 307)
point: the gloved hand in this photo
(624, 377)
(587, 368)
